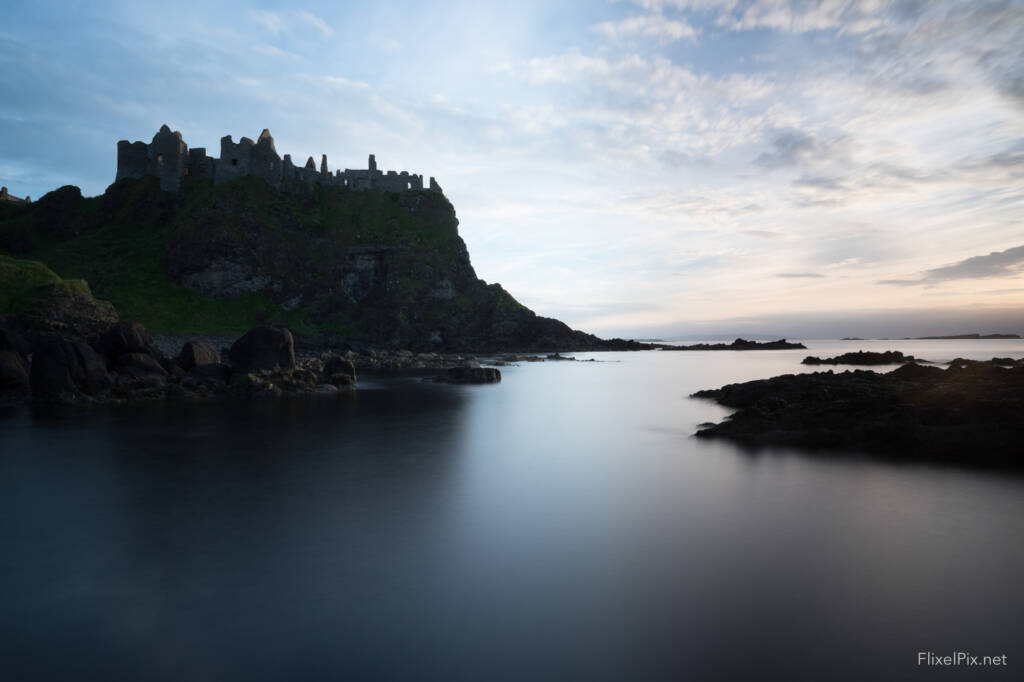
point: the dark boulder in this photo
(196, 353)
(127, 337)
(13, 375)
(471, 375)
(12, 339)
(63, 370)
(263, 348)
(137, 364)
(209, 373)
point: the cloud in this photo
(1008, 263)
(799, 275)
(996, 264)
(279, 22)
(647, 26)
(315, 22)
(271, 51)
(271, 21)
(789, 149)
(765, 234)
(795, 147)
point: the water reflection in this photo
(560, 525)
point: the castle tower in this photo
(264, 161)
(167, 158)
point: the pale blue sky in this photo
(655, 167)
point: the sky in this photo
(653, 168)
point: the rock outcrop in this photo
(889, 357)
(968, 413)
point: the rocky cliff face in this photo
(381, 268)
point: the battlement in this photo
(168, 158)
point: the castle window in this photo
(234, 162)
(160, 159)
(186, 171)
(271, 165)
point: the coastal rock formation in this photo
(889, 357)
(968, 413)
(741, 344)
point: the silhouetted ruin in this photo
(168, 158)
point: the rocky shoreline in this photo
(71, 355)
(968, 413)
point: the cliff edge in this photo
(373, 267)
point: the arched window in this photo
(160, 159)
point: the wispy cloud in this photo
(279, 22)
(655, 26)
(1008, 263)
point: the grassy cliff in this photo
(386, 268)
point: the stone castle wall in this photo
(168, 158)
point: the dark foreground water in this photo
(562, 525)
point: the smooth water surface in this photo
(563, 524)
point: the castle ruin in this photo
(6, 196)
(168, 158)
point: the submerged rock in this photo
(470, 375)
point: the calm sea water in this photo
(561, 525)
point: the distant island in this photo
(741, 344)
(969, 336)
